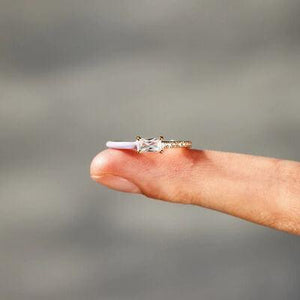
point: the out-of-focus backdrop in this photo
(74, 74)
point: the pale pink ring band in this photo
(121, 145)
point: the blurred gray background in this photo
(74, 74)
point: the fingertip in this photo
(157, 175)
(114, 161)
(109, 161)
(100, 164)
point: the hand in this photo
(258, 189)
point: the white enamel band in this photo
(121, 145)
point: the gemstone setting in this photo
(149, 145)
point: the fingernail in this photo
(117, 183)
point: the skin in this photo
(262, 190)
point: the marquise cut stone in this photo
(149, 145)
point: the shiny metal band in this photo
(176, 144)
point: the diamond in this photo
(149, 145)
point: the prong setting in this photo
(148, 145)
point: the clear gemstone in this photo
(149, 145)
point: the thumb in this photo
(246, 186)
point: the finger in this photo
(241, 185)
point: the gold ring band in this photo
(159, 144)
(177, 144)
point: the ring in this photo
(149, 145)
